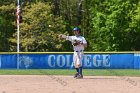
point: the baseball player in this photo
(79, 43)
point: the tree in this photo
(111, 25)
(7, 25)
(39, 29)
(135, 27)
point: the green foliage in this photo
(39, 29)
(7, 2)
(6, 25)
(108, 25)
(111, 21)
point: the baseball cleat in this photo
(76, 75)
(79, 76)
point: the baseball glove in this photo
(76, 42)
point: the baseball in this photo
(50, 25)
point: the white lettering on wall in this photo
(87, 61)
(59, 60)
(51, 60)
(62, 62)
(68, 61)
(97, 61)
(106, 61)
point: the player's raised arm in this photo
(62, 36)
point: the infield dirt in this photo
(67, 84)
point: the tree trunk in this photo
(79, 14)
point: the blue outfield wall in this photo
(65, 60)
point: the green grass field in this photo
(87, 72)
